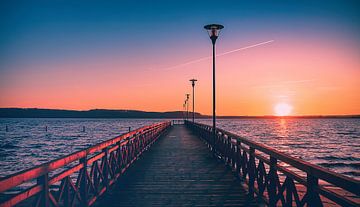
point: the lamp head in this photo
(214, 31)
(193, 82)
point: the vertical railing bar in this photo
(272, 181)
(312, 191)
(44, 182)
(83, 183)
(251, 172)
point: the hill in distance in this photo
(108, 113)
(94, 113)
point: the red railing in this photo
(80, 178)
(276, 177)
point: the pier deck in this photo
(178, 170)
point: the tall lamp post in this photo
(187, 106)
(193, 96)
(214, 31)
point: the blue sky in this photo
(60, 30)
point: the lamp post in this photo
(193, 96)
(214, 31)
(187, 106)
(184, 105)
(184, 111)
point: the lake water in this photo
(331, 143)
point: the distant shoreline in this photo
(107, 113)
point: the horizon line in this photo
(138, 110)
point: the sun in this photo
(282, 109)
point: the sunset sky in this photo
(134, 54)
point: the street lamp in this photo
(193, 96)
(184, 111)
(214, 31)
(187, 106)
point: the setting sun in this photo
(282, 109)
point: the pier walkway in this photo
(178, 170)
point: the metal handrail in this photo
(248, 159)
(106, 162)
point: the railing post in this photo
(44, 182)
(233, 154)
(312, 191)
(272, 181)
(215, 141)
(251, 171)
(119, 157)
(238, 158)
(106, 167)
(67, 187)
(83, 183)
(229, 151)
(289, 193)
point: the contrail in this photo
(218, 55)
(244, 48)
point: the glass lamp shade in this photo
(213, 30)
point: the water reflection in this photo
(282, 130)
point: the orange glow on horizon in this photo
(317, 76)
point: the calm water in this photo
(331, 143)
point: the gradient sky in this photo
(121, 55)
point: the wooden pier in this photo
(179, 170)
(178, 164)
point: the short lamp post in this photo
(187, 106)
(184, 110)
(193, 96)
(214, 31)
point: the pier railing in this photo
(276, 177)
(80, 178)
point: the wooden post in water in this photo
(83, 129)
(129, 129)
(46, 128)
(6, 128)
